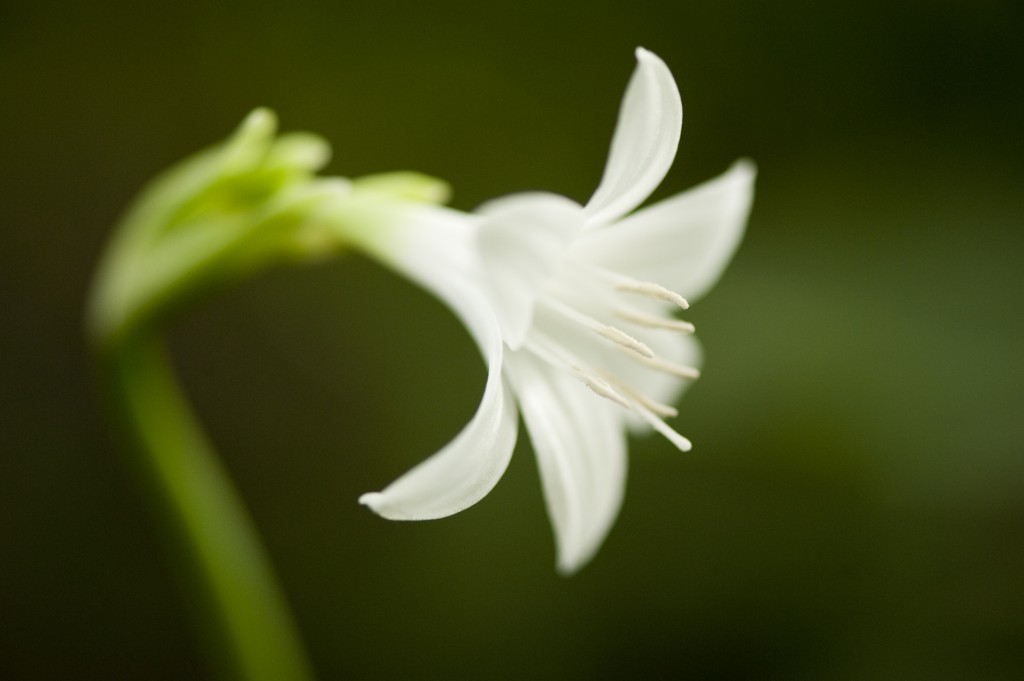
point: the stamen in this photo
(625, 340)
(649, 410)
(672, 368)
(599, 386)
(587, 272)
(655, 322)
(658, 408)
(550, 352)
(614, 334)
(675, 438)
(651, 290)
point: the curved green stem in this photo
(246, 619)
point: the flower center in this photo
(577, 327)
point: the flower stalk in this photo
(250, 632)
(205, 223)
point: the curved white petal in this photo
(431, 247)
(581, 453)
(465, 470)
(682, 243)
(522, 239)
(645, 141)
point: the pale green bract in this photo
(248, 203)
(573, 308)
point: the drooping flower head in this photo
(574, 308)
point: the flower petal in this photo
(581, 453)
(430, 247)
(462, 472)
(522, 239)
(645, 141)
(683, 243)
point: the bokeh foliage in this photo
(853, 507)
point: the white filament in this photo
(654, 321)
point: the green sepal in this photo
(211, 219)
(407, 185)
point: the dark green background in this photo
(854, 505)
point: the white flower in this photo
(573, 307)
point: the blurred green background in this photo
(854, 504)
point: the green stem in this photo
(246, 619)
